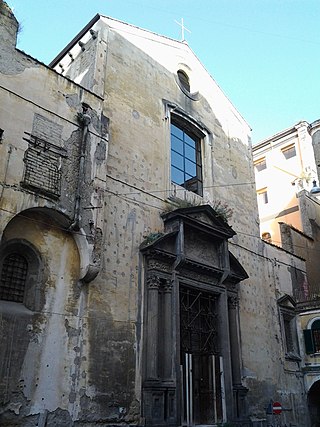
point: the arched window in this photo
(21, 274)
(186, 157)
(312, 337)
(184, 80)
(13, 277)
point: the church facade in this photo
(135, 289)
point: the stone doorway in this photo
(191, 367)
(314, 404)
(201, 365)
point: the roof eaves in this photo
(75, 40)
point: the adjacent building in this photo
(135, 288)
(287, 177)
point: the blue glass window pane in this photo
(177, 144)
(189, 140)
(177, 160)
(177, 176)
(190, 153)
(176, 131)
(191, 168)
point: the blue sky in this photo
(264, 54)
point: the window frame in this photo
(184, 80)
(189, 130)
(34, 294)
(312, 343)
(263, 196)
(260, 164)
(288, 323)
(288, 319)
(289, 151)
(13, 277)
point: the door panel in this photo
(200, 360)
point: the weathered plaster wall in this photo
(306, 243)
(267, 372)
(139, 80)
(138, 75)
(44, 351)
(50, 358)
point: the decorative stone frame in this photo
(287, 315)
(203, 263)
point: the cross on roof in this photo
(183, 28)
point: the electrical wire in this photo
(161, 209)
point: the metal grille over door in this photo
(201, 364)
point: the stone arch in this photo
(311, 321)
(45, 328)
(314, 403)
(89, 259)
(33, 234)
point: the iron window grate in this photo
(13, 278)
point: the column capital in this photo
(153, 282)
(233, 302)
(168, 285)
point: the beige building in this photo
(286, 170)
(284, 165)
(129, 294)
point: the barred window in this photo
(13, 278)
(21, 274)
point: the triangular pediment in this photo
(203, 218)
(236, 269)
(287, 301)
(197, 237)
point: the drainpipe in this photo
(84, 120)
(3, 184)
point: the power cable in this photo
(153, 207)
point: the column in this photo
(153, 283)
(233, 303)
(239, 391)
(167, 318)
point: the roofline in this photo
(74, 41)
(98, 16)
(278, 135)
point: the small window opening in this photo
(312, 338)
(13, 278)
(289, 152)
(184, 80)
(263, 197)
(260, 165)
(287, 321)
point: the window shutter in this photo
(308, 340)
